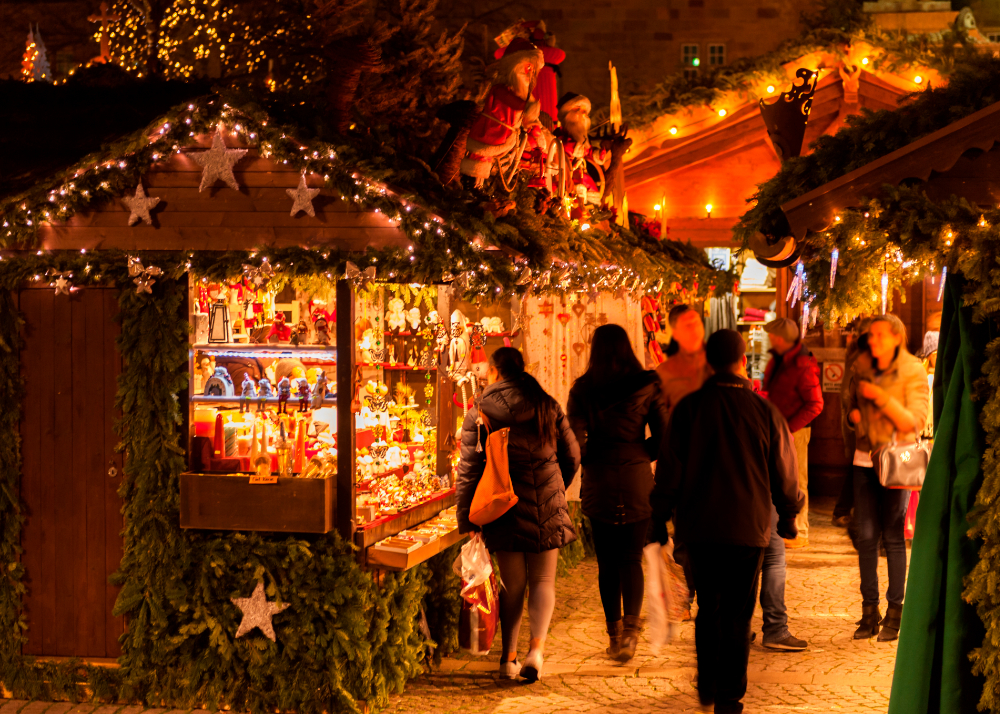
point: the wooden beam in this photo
(346, 496)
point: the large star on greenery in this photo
(303, 197)
(218, 162)
(257, 612)
(140, 206)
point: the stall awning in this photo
(937, 153)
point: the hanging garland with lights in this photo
(449, 233)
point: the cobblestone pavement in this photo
(836, 673)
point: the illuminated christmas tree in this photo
(35, 64)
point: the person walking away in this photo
(543, 458)
(609, 408)
(891, 401)
(727, 457)
(686, 370)
(775, 632)
(791, 382)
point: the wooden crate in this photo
(230, 502)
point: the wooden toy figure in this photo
(264, 391)
(319, 391)
(284, 392)
(303, 392)
(300, 334)
(322, 327)
(248, 392)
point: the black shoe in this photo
(869, 623)
(842, 521)
(753, 637)
(789, 644)
(890, 623)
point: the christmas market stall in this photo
(868, 217)
(235, 353)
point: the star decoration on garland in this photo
(140, 205)
(303, 197)
(257, 612)
(218, 162)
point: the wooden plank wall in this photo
(72, 537)
(220, 218)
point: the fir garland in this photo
(450, 230)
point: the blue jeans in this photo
(772, 586)
(879, 514)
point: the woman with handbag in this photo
(542, 458)
(609, 408)
(888, 407)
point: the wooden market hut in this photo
(716, 153)
(937, 196)
(96, 457)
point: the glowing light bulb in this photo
(708, 208)
(722, 112)
(918, 79)
(673, 130)
(657, 207)
(770, 89)
(864, 60)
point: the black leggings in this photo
(619, 565)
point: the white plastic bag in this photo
(480, 615)
(473, 564)
(666, 594)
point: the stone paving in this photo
(836, 673)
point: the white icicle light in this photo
(834, 258)
(885, 291)
(944, 277)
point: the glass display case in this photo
(316, 407)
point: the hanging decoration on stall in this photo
(944, 277)
(302, 197)
(142, 277)
(797, 287)
(834, 259)
(60, 281)
(140, 205)
(885, 291)
(218, 162)
(259, 276)
(258, 612)
(358, 277)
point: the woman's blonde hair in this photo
(895, 325)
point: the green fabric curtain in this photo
(933, 673)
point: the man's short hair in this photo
(724, 349)
(676, 311)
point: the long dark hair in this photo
(509, 363)
(611, 357)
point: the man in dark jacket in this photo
(791, 382)
(726, 459)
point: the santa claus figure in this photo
(584, 164)
(546, 90)
(495, 136)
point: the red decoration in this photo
(545, 309)
(563, 317)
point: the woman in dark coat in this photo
(609, 408)
(544, 457)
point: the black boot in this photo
(890, 624)
(869, 623)
(614, 638)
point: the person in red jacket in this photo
(791, 382)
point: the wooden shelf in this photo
(395, 560)
(751, 322)
(758, 290)
(331, 400)
(371, 533)
(396, 367)
(265, 349)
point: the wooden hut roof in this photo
(951, 160)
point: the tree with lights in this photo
(35, 64)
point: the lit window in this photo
(716, 55)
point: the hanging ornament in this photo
(140, 205)
(804, 318)
(525, 276)
(218, 162)
(834, 258)
(258, 276)
(885, 291)
(257, 612)
(302, 197)
(142, 277)
(797, 287)
(944, 277)
(357, 276)
(60, 282)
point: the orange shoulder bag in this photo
(494, 495)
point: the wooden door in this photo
(72, 537)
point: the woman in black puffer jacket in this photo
(609, 409)
(544, 457)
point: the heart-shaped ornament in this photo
(579, 347)
(579, 309)
(563, 317)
